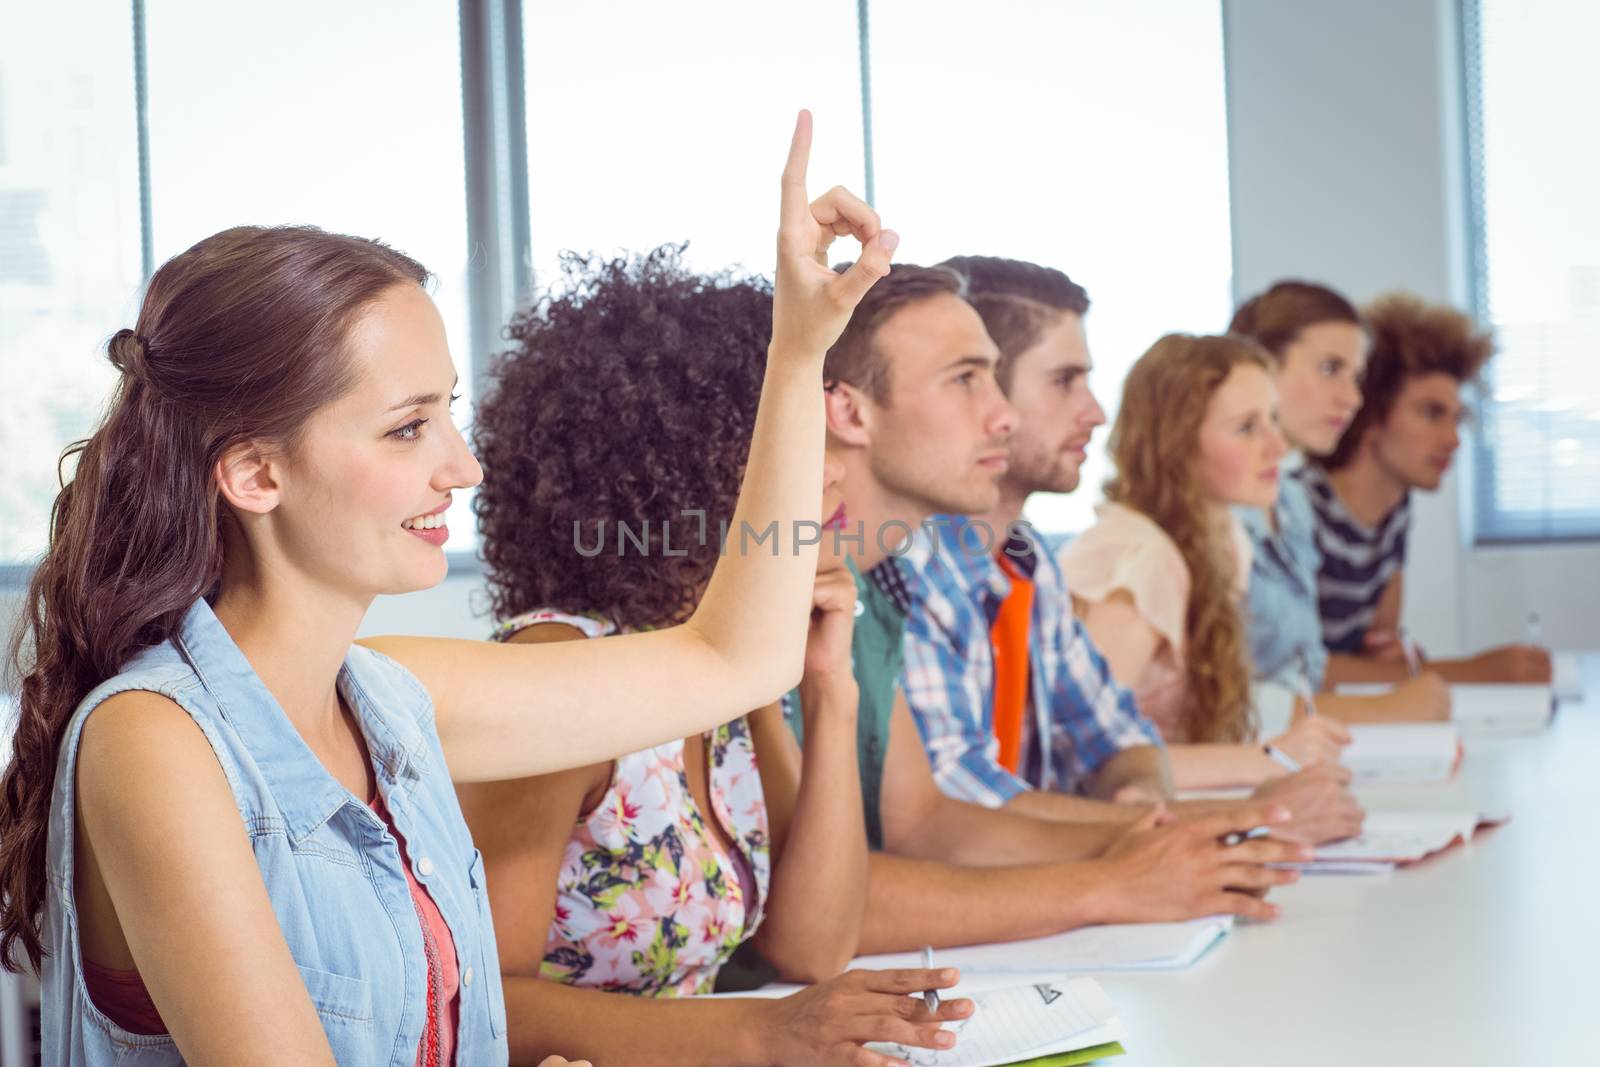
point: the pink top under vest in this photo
(123, 998)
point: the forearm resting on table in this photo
(1140, 768)
(1064, 807)
(955, 831)
(551, 1019)
(912, 903)
(1219, 766)
(1378, 707)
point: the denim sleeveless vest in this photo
(1285, 621)
(330, 866)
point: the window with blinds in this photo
(1533, 102)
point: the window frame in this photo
(498, 222)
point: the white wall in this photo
(456, 607)
(1347, 167)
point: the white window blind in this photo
(1533, 95)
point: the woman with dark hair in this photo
(230, 835)
(613, 445)
(1317, 343)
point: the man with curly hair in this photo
(1403, 439)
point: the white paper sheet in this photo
(1422, 753)
(1114, 947)
(1502, 708)
(1406, 836)
(1023, 1022)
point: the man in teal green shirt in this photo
(876, 659)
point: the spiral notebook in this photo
(1048, 1024)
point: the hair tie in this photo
(127, 352)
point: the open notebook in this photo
(1050, 1024)
(1501, 709)
(1113, 947)
(1402, 837)
(1403, 753)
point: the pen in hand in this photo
(930, 997)
(1282, 758)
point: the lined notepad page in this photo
(1406, 836)
(1113, 947)
(1402, 753)
(1021, 1023)
(1502, 708)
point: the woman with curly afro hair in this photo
(613, 445)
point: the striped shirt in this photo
(1358, 561)
(1078, 716)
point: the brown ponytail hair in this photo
(1274, 319)
(1154, 445)
(1017, 301)
(240, 338)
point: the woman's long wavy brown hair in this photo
(1155, 444)
(240, 338)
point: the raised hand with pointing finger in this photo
(811, 303)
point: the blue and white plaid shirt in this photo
(956, 589)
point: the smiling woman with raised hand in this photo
(230, 834)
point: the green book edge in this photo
(1071, 1059)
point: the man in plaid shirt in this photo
(917, 420)
(1086, 735)
(1084, 751)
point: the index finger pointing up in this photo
(796, 205)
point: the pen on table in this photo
(1413, 661)
(1282, 758)
(930, 997)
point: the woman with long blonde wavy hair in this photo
(1159, 580)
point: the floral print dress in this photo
(649, 899)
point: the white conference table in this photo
(1486, 954)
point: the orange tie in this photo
(1009, 636)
